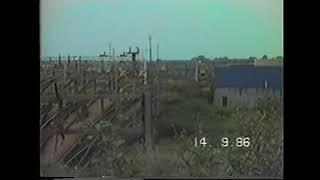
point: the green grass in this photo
(180, 104)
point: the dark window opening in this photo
(224, 101)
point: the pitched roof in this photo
(248, 77)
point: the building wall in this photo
(268, 62)
(248, 98)
(233, 62)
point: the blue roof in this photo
(248, 77)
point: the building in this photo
(245, 85)
(268, 62)
(232, 62)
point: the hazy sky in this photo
(183, 28)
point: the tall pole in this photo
(157, 51)
(142, 55)
(150, 48)
(145, 70)
(196, 71)
(110, 50)
(113, 54)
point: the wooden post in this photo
(111, 79)
(94, 86)
(58, 121)
(102, 104)
(158, 52)
(116, 90)
(59, 59)
(76, 65)
(158, 99)
(134, 87)
(84, 80)
(150, 48)
(113, 54)
(75, 87)
(196, 71)
(102, 65)
(65, 71)
(110, 50)
(145, 71)
(68, 59)
(147, 121)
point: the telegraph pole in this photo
(113, 54)
(110, 50)
(196, 71)
(157, 51)
(144, 69)
(150, 47)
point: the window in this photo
(224, 101)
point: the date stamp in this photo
(225, 142)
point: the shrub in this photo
(264, 157)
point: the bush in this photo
(264, 157)
(53, 169)
(171, 98)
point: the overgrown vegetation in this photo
(183, 120)
(262, 159)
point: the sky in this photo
(183, 28)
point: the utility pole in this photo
(145, 70)
(142, 55)
(157, 51)
(59, 59)
(196, 71)
(150, 47)
(110, 50)
(133, 60)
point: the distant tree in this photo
(264, 57)
(200, 58)
(252, 58)
(279, 57)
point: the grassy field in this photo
(184, 105)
